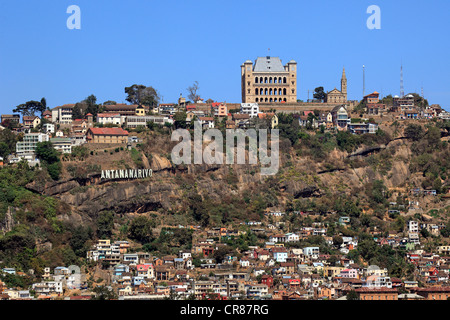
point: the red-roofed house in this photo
(377, 293)
(107, 135)
(145, 270)
(47, 114)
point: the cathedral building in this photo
(268, 81)
(336, 96)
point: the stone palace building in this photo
(268, 81)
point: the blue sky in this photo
(170, 44)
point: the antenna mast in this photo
(402, 91)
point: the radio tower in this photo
(402, 91)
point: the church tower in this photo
(344, 85)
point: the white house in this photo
(48, 128)
(280, 255)
(244, 262)
(48, 287)
(413, 226)
(256, 290)
(311, 252)
(251, 109)
(292, 237)
(206, 122)
(109, 118)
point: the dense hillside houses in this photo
(357, 210)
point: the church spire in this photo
(344, 84)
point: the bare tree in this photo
(192, 92)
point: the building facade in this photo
(27, 147)
(107, 135)
(268, 81)
(339, 96)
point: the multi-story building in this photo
(349, 273)
(107, 135)
(268, 81)
(48, 287)
(109, 118)
(362, 128)
(62, 114)
(123, 109)
(105, 250)
(63, 145)
(252, 109)
(12, 118)
(311, 252)
(403, 103)
(48, 128)
(136, 121)
(256, 290)
(340, 117)
(377, 293)
(31, 121)
(413, 226)
(27, 147)
(220, 109)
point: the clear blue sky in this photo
(170, 44)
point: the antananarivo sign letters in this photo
(127, 174)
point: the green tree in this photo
(414, 132)
(104, 293)
(46, 152)
(50, 158)
(80, 236)
(140, 230)
(141, 95)
(180, 120)
(105, 224)
(29, 108)
(319, 94)
(8, 142)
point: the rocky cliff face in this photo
(166, 188)
(7, 222)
